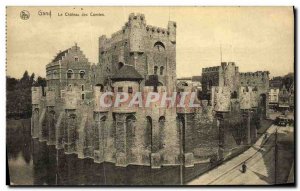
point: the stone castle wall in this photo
(69, 114)
(143, 46)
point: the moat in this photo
(32, 162)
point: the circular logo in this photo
(24, 15)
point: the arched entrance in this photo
(161, 123)
(148, 133)
(180, 129)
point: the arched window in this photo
(155, 70)
(82, 74)
(82, 87)
(70, 74)
(120, 65)
(82, 96)
(159, 46)
(161, 122)
(55, 74)
(160, 84)
(161, 70)
(148, 133)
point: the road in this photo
(260, 161)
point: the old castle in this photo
(140, 57)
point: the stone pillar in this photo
(43, 132)
(247, 126)
(80, 148)
(155, 155)
(253, 127)
(71, 130)
(188, 140)
(59, 128)
(100, 125)
(121, 159)
(35, 121)
(221, 126)
(51, 122)
(254, 123)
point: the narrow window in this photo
(82, 87)
(161, 70)
(155, 70)
(130, 90)
(82, 96)
(70, 74)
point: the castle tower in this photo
(100, 116)
(150, 50)
(68, 68)
(186, 120)
(36, 111)
(127, 80)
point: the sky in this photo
(255, 38)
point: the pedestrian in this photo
(244, 167)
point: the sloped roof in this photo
(60, 55)
(197, 78)
(127, 72)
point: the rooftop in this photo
(60, 55)
(127, 73)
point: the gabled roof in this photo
(127, 73)
(60, 55)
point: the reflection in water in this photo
(42, 164)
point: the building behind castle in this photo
(142, 58)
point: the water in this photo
(32, 162)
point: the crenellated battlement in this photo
(211, 69)
(136, 17)
(136, 27)
(140, 59)
(257, 74)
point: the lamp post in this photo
(276, 156)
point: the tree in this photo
(19, 94)
(11, 83)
